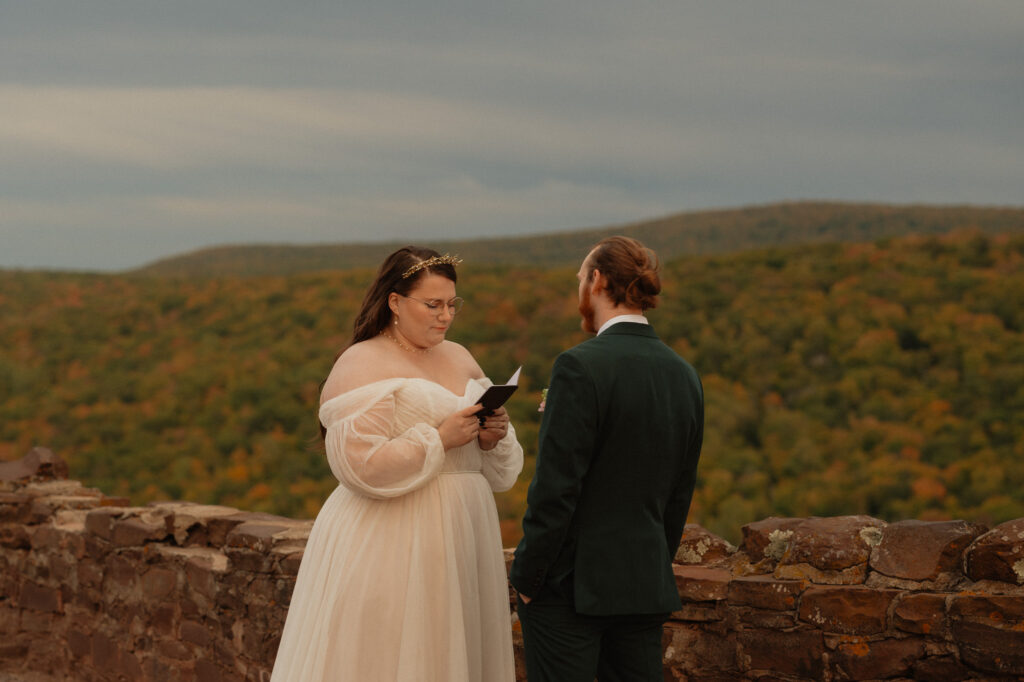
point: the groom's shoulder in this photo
(584, 348)
(596, 349)
(607, 346)
(582, 354)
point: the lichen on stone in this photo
(695, 554)
(1018, 568)
(871, 535)
(778, 543)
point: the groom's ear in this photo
(598, 283)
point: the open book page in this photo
(495, 396)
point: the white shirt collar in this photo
(638, 319)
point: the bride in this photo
(403, 576)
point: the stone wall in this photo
(93, 589)
(850, 598)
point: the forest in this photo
(883, 377)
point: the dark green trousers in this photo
(564, 646)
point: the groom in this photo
(619, 443)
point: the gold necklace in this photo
(411, 350)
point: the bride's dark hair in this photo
(375, 314)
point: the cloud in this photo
(174, 126)
(445, 208)
(221, 127)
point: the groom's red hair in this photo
(630, 270)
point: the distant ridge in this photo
(692, 233)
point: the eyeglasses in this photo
(454, 305)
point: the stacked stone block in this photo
(93, 589)
(851, 598)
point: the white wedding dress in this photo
(403, 576)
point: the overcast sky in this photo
(135, 129)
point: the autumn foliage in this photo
(883, 378)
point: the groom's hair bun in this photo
(630, 270)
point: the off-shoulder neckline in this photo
(384, 381)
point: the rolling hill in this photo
(683, 234)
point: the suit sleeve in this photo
(567, 438)
(679, 505)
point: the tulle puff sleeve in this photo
(366, 455)
(503, 462)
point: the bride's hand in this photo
(494, 429)
(460, 427)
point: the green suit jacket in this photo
(619, 444)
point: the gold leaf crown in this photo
(434, 260)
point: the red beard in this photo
(586, 309)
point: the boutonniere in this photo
(543, 399)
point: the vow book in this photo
(495, 396)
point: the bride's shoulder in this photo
(358, 365)
(460, 356)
